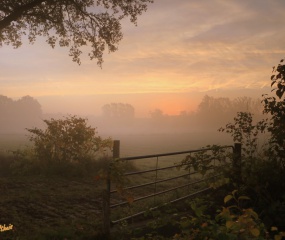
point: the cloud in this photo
(177, 46)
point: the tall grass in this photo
(21, 164)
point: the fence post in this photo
(106, 192)
(237, 173)
(116, 149)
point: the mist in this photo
(144, 123)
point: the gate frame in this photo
(236, 164)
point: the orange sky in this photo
(179, 47)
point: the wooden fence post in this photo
(106, 192)
(237, 173)
(116, 149)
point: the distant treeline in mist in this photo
(16, 115)
(211, 114)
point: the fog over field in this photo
(179, 52)
(143, 124)
(170, 103)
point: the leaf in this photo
(229, 224)
(227, 198)
(274, 229)
(234, 192)
(255, 232)
(279, 93)
(243, 198)
(252, 213)
(274, 81)
(277, 237)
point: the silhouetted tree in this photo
(157, 114)
(6, 106)
(247, 104)
(16, 115)
(214, 112)
(71, 23)
(29, 107)
(118, 111)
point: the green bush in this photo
(67, 140)
(67, 147)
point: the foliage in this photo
(71, 23)
(118, 111)
(261, 174)
(275, 107)
(278, 78)
(67, 140)
(232, 222)
(211, 162)
(245, 132)
(25, 163)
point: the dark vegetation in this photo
(72, 23)
(50, 190)
(248, 206)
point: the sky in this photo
(179, 51)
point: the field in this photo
(39, 207)
(71, 208)
(144, 144)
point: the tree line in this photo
(16, 115)
(211, 113)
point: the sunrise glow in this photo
(177, 47)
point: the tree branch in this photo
(18, 13)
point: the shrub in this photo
(67, 140)
(67, 147)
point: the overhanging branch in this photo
(18, 13)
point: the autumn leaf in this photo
(255, 232)
(227, 198)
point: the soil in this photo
(50, 208)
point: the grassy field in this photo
(41, 207)
(144, 144)
(10, 142)
(50, 208)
